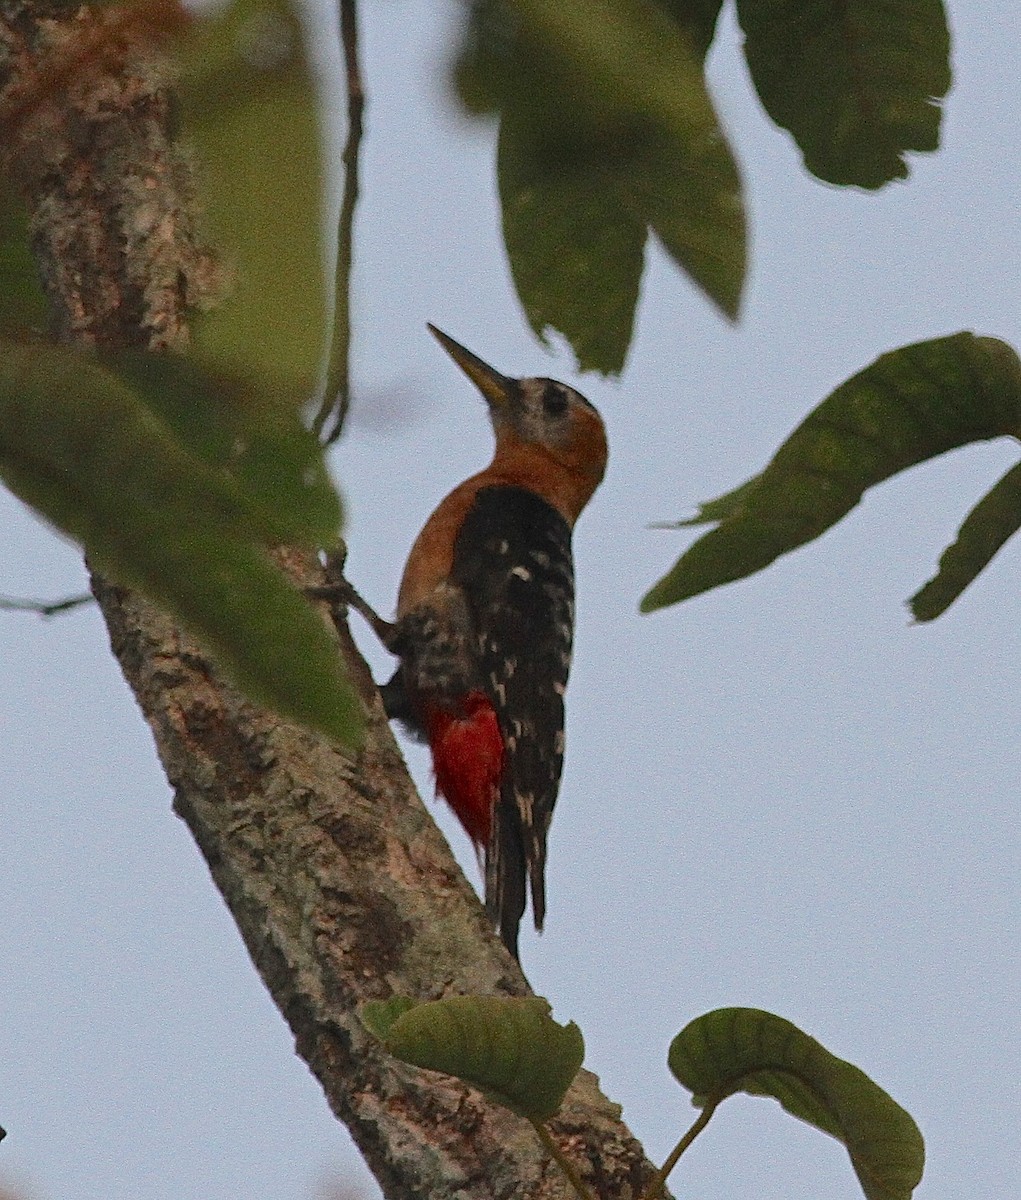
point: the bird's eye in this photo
(554, 399)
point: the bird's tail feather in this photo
(505, 876)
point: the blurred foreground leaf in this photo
(159, 511)
(748, 1050)
(698, 17)
(249, 105)
(509, 1048)
(607, 132)
(910, 405)
(22, 302)
(258, 438)
(857, 82)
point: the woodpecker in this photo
(485, 623)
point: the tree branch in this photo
(345, 891)
(339, 882)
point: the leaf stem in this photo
(659, 1179)
(564, 1163)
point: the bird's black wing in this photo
(512, 557)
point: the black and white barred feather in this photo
(512, 559)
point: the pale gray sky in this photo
(779, 794)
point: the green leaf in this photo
(698, 17)
(258, 438)
(910, 405)
(721, 509)
(575, 254)
(23, 306)
(249, 105)
(748, 1050)
(509, 1048)
(607, 132)
(79, 444)
(995, 518)
(857, 82)
(379, 1016)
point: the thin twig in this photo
(44, 608)
(337, 398)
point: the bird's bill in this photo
(496, 388)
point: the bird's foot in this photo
(341, 594)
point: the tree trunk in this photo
(340, 883)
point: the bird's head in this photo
(539, 419)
